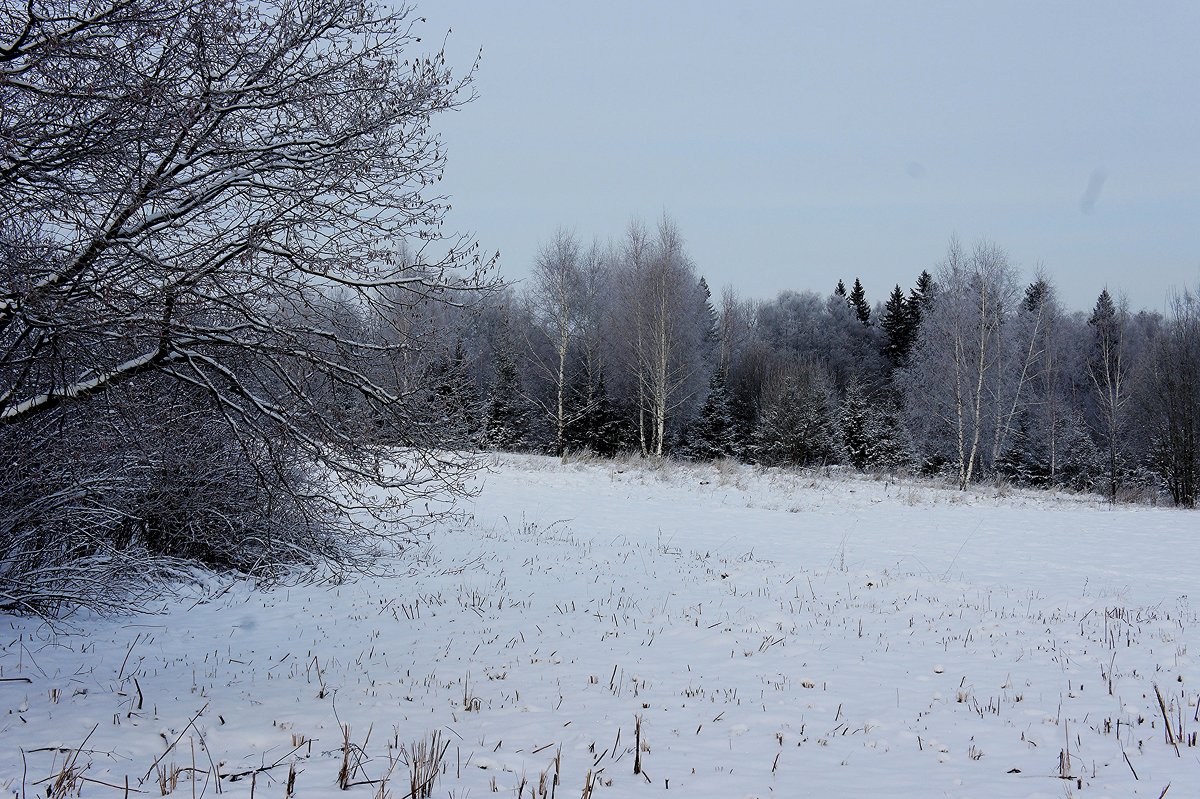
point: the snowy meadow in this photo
(618, 628)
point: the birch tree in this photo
(665, 313)
(952, 387)
(1108, 369)
(555, 301)
(1039, 409)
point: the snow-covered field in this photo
(757, 632)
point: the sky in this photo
(798, 143)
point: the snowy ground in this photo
(769, 633)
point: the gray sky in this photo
(796, 143)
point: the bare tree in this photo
(1174, 401)
(555, 300)
(736, 327)
(953, 384)
(635, 344)
(186, 184)
(1108, 369)
(1037, 413)
(665, 306)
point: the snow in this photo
(772, 633)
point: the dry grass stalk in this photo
(344, 772)
(425, 764)
(637, 744)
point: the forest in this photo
(968, 375)
(235, 333)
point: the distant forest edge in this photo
(969, 375)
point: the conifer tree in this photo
(1109, 369)
(595, 425)
(840, 289)
(858, 302)
(1035, 295)
(1020, 461)
(711, 434)
(1083, 466)
(872, 433)
(856, 426)
(892, 447)
(897, 326)
(452, 392)
(506, 412)
(920, 301)
(796, 426)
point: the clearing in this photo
(636, 630)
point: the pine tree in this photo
(595, 425)
(840, 289)
(920, 301)
(872, 433)
(858, 302)
(506, 412)
(897, 327)
(711, 433)
(796, 426)
(856, 426)
(1035, 295)
(1083, 466)
(452, 394)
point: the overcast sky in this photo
(798, 143)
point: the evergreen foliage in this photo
(1083, 466)
(872, 434)
(712, 435)
(858, 303)
(920, 301)
(856, 427)
(1103, 313)
(797, 427)
(455, 404)
(1035, 295)
(595, 425)
(897, 325)
(506, 420)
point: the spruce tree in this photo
(892, 447)
(1020, 461)
(1083, 466)
(858, 302)
(594, 424)
(920, 301)
(840, 289)
(506, 412)
(1108, 369)
(1035, 295)
(872, 434)
(452, 394)
(796, 427)
(856, 426)
(711, 433)
(897, 327)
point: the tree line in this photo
(967, 374)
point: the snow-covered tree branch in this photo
(228, 210)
